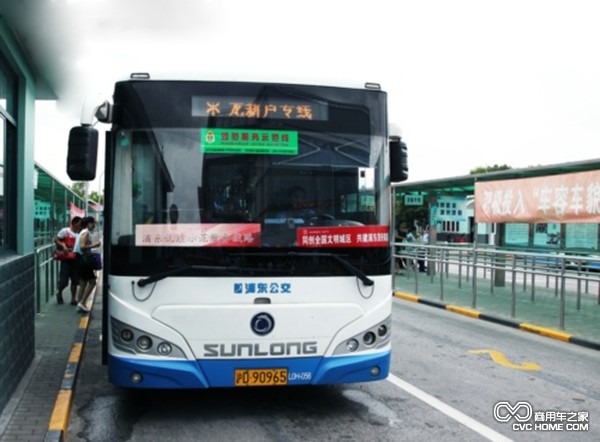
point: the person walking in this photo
(401, 235)
(65, 242)
(83, 249)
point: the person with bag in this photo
(86, 262)
(65, 243)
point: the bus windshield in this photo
(301, 171)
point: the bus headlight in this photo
(369, 338)
(376, 336)
(133, 340)
(126, 335)
(144, 342)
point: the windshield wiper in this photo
(178, 270)
(236, 269)
(162, 275)
(344, 263)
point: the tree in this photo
(494, 168)
(96, 197)
(410, 215)
(79, 188)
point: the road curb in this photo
(59, 420)
(532, 328)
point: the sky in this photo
(470, 82)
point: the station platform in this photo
(535, 307)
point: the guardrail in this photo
(558, 272)
(46, 275)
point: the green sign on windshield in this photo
(246, 141)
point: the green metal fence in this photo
(556, 290)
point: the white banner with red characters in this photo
(197, 235)
(567, 198)
(344, 236)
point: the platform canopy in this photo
(465, 185)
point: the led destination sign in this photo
(246, 107)
(246, 141)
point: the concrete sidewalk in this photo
(536, 310)
(27, 415)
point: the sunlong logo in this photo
(248, 350)
(262, 324)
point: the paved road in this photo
(440, 389)
(442, 353)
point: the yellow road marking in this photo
(62, 408)
(75, 352)
(499, 358)
(463, 311)
(545, 332)
(406, 296)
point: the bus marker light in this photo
(164, 348)
(352, 345)
(375, 371)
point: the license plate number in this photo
(258, 377)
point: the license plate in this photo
(258, 377)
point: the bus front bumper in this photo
(146, 373)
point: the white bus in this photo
(247, 232)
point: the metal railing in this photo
(46, 275)
(561, 273)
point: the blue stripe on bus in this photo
(220, 373)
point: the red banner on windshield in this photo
(344, 236)
(197, 235)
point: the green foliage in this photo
(410, 214)
(79, 188)
(494, 168)
(96, 197)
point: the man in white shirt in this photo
(65, 241)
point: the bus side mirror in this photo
(83, 153)
(398, 160)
